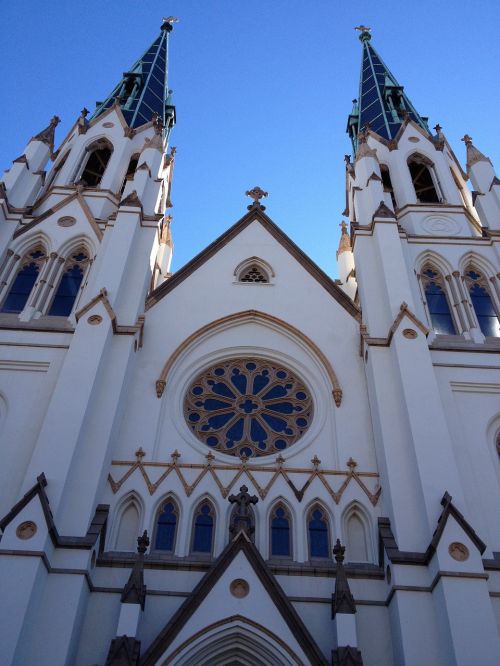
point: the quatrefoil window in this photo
(248, 407)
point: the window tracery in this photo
(482, 302)
(280, 522)
(24, 281)
(96, 163)
(203, 528)
(166, 526)
(318, 533)
(437, 301)
(248, 407)
(69, 284)
(253, 274)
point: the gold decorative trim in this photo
(251, 315)
(241, 469)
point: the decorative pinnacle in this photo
(365, 31)
(338, 552)
(167, 23)
(316, 461)
(84, 112)
(143, 543)
(175, 455)
(139, 454)
(256, 194)
(352, 464)
(438, 128)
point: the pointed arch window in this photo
(96, 163)
(281, 543)
(203, 528)
(482, 303)
(56, 170)
(318, 532)
(69, 284)
(357, 539)
(437, 302)
(132, 166)
(423, 178)
(166, 526)
(128, 528)
(24, 281)
(387, 183)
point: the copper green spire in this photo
(382, 104)
(143, 93)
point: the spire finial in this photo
(365, 32)
(467, 140)
(241, 519)
(473, 154)
(47, 135)
(167, 23)
(338, 552)
(345, 241)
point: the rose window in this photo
(248, 407)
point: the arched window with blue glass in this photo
(437, 301)
(482, 302)
(166, 526)
(24, 281)
(318, 533)
(281, 534)
(69, 284)
(203, 528)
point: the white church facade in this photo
(245, 461)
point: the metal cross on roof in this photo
(256, 194)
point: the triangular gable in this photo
(75, 196)
(255, 214)
(241, 544)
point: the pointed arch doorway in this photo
(234, 641)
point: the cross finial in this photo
(167, 23)
(343, 227)
(84, 112)
(210, 457)
(438, 128)
(143, 543)
(364, 31)
(175, 455)
(280, 460)
(338, 552)
(241, 519)
(316, 461)
(139, 454)
(467, 140)
(352, 464)
(256, 194)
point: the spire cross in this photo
(438, 128)
(467, 140)
(363, 28)
(139, 454)
(364, 31)
(343, 226)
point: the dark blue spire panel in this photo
(143, 90)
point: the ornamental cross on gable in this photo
(242, 516)
(256, 194)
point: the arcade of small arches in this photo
(168, 526)
(459, 301)
(47, 281)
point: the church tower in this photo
(245, 461)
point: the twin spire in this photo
(143, 92)
(382, 105)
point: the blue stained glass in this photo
(165, 528)
(245, 451)
(439, 310)
(282, 407)
(301, 422)
(235, 432)
(21, 289)
(67, 291)
(278, 425)
(222, 389)
(257, 432)
(280, 534)
(194, 417)
(259, 383)
(240, 381)
(485, 312)
(318, 535)
(212, 404)
(203, 530)
(261, 424)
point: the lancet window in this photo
(166, 526)
(69, 284)
(421, 171)
(281, 543)
(437, 301)
(132, 166)
(318, 533)
(96, 163)
(24, 281)
(203, 528)
(482, 302)
(387, 183)
(356, 538)
(128, 527)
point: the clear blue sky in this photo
(262, 90)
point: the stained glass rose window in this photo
(249, 407)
